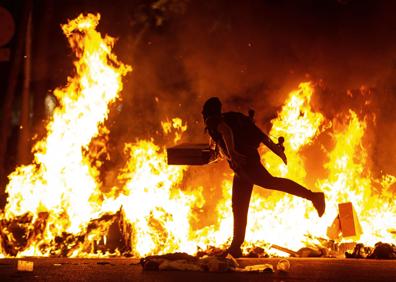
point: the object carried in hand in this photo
(279, 149)
(191, 154)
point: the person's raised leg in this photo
(261, 177)
(241, 192)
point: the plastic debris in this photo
(306, 252)
(283, 265)
(179, 265)
(24, 265)
(259, 268)
(218, 264)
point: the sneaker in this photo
(318, 200)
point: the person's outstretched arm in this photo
(277, 149)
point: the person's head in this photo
(211, 108)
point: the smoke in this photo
(252, 54)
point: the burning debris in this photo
(346, 224)
(380, 251)
(51, 201)
(19, 233)
(185, 262)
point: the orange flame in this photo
(174, 125)
(60, 181)
(350, 180)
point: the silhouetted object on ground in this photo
(238, 139)
(380, 251)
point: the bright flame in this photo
(159, 214)
(61, 182)
(276, 216)
(350, 180)
(299, 125)
(174, 125)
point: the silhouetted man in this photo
(238, 138)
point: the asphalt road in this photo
(126, 269)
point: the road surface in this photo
(128, 269)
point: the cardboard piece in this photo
(334, 230)
(346, 224)
(349, 222)
(190, 154)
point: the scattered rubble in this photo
(305, 252)
(257, 252)
(380, 251)
(185, 262)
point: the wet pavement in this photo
(127, 269)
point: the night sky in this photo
(249, 53)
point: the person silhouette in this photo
(238, 139)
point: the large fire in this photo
(58, 205)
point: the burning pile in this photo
(56, 205)
(59, 192)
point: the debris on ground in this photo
(24, 265)
(268, 268)
(380, 251)
(222, 263)
(218, 264)
(183, 261)
(309, 252)
(303, 252)
(283, 265)
(384, 251)
(285, 250)
(257, 252)
(154, 262)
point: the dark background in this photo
(249, 53)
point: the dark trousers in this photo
(254, 173)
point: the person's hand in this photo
(237, 159)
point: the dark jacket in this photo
(247, 136)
